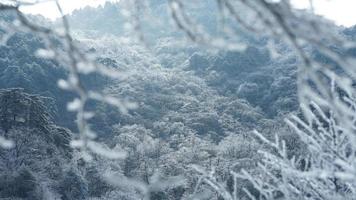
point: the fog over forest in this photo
(176, 99)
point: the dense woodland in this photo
(195, 106)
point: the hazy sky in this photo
(341, 11)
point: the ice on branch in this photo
(45, 53)
(6, 144)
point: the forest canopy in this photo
(176, 99)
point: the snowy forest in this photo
(176, 99)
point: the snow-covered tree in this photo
(181, 117)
